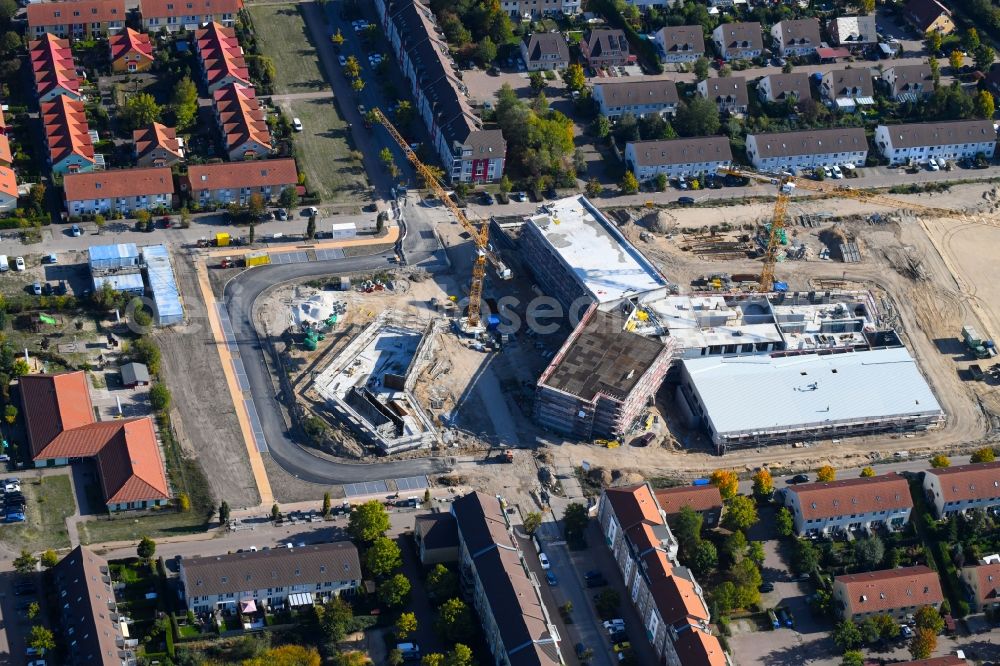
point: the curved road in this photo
(240, 295)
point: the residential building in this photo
(545, 50)
(895, 592)
(468, 152)
(927, 15)
(853, 31)
(187, 14)
(796, 37)
(6, 156)
(517, 626)
(950, 140)
(8, 189)
(76, 19)
(681, 43)
(738, 41)
(157, 145)
(221, 57)
(705, 499)
(271, 578)
(436, 536)
(909, 83)
(70, 143)
(532, 10)
(848, 88)
(122, 191)
(234, 182)
(850, 505)
(783, 87)
(807, 149)
(644, 5)
(992, 80)
(94, 633)
(729, 94)
(963, 487)
(604, 47)
(947, 660)
(54, 68)
(242, 122)
(59, 421)
(131, 51)
(982, 585)
(640, 98)
(677, 157)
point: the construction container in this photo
(222, 240)
(493, 322)
(258, 259)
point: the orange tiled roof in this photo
(130, 465)
(53, 65)
(66, 128)
(162, 8)
(70, 12)
(698, 648)
(699, 498)
(221, 54)
(887, 492)
(129, 40)
(889, 589)
(5, 153)
(240, 116)
(118, 183)
(156, 136)
(969, 482)
(633, 504)
(252, 173)
(8, 182)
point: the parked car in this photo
(614, 625)
(837, 173)
(75, 230)
(488, 199)
(18, 263)
(282, 214)
(36, 289)
(51, 259)
(14, 517)
(551, 579)
(544, 560)
(643, 440)
(296, 124)
(410, 651)
(685, 201)
(932, 165)
(342, 60)
(799, 478)
(766, 586)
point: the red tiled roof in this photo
(969, 482)
(889, 589)
(989, 581)
(66, 128)
(240, 116)
(53, 64)
(947, 660)
(130, 465)
(252, 173)
(8, 182)
(75, 11)
(5, 155)
(676, 597)
(118, 183)
(698, 648)
(156, 136)
(161, 8)
(53, 403)
(699, 498)
(864, 495)
(130, 40)
(220, 54)
(633, 505)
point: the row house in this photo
(234, 182)
(738, 41)
(928, 15)
(850, 505)
(782, 87)
(729, 94)
(677, 158)
(704, 499)
(846, 89)
(131, 51)
(545, 51)
(606, 47)
(157, 145)
(909, 83)
(950, 140)
(242, 122)
(808, 149)
(681, 43)
(640, 98)
(853, 32)
(6, 155)
(962, 488)
(517, 626)
(54, 68)
(173, 15)
(468, 152)
(122, 191)
(982, 585)
(70, 141)
(894, 592)
(221, 57)
(796, 37)
(532, 10)
(8, 180)
(76, 19)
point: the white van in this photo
(4, 266)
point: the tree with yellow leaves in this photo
(826, 473)
(286, 655)
(726, 481)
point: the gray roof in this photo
(683, 39)
(278, 567)
(682, 151)
(728, 90)
(811, 142)
(907, 75)
(923, 13)
(941, 134)
(546, 44)
(783, 85)
(853, 29)
(133, 373)
(604, 41)
(844, 82)
(438, 530)
(741, 36)
(800, 32)
(639, 92)
(83, 581)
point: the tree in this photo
(396, 657)
(661, 182)
(923, 643)
(629, 184)
(537, 81)
(826, 473)
(734, 547)
(146, 548)
(573, 77)
(406, 625)
(432, 659)
(928, 617)
(338, 39)
(704, 558)
(357, 85)
(351, 657)
(687, 528)
(607, 602)
(256, 206)
(8, 8)
(159, 397)
(291, 655)
(575, 523)
(404, 113)
(940, 461)
(49, 559)
(784, 522)
(9, 42)
(983, 56)
(386, 156)
(971, 39)
(854, 657)
(594, 188)
(869, 552)
(333, 618)
(184, 103)
(887, 626)
(183, 502)
(763, 484)
(486, 51)
(275, 512)
(701, 68)
(10, 414)
(460, 655)
(20, 368)
(99, 220)
(805, 557)
(532, 521)
(602, 126)
(741, 513)
(956, 60)
(455, 622)
(934, 39)
(441, 583)
(430, 171)
(393, 592)
(33, 610)
(352, 69)
(252, 233)
(698, 117)
(847, 635)
(41, 639)
(726, 481)
(383, 557)
(868, 472)
(505, 185)
(935, 67)
(140, 110)
(326, 504)
(869, 631)
(986, 454)
(368, 521)
(311, 227)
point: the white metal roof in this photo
(758, 393)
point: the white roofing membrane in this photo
(759, 393)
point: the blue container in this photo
(492, 322)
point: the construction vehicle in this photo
(507, 456)
(222, 240)
(257, 259)
(976, 345)
(227, 262)
(608, 443)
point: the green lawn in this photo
(49, 502)
(283, 37)
(167, 523)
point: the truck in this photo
(975, 344)
(222, 240)
(258, 259)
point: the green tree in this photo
(404, 113)
(146, 548)
(8, 8)
(923, 643)
(505, 185)
(256, 206)
(701, 68)
(368, 521)
(687, 529)
(755, 551)
(326, 504)
(940, 461)
(869, 631)
(887, 626)
(311, 227)
(383, 557)
(784, 522)
(532, 521)
(573, 77)
(602, 126)
(334, 617)
(985, 454)
(460, 655)
(441, 583)
(10, 41)
(868, 472)
(956, 60)
(740, 514)
(537, 81)
(575, 523)
(224, 512)
(386, 156)
(847, 635)
(486, 51)
(36, 197)
(725, 596)
(184, 103)
(25, 562)
(20, 368)
(357, 85)
(406, 624)
(432, 659)
(183, 502)
(41, 639)
(935, 67)
(934, 39)
(393, 592)
(352, 69)
(275, 512)
(869, 552)
(607, 602)
(698, 117)
(704, 559)
(928, 617)
(159, 397)
(826, 473)
(396, 657)
(49, 559)
(594, 188)
(288, 197)
(983, 56)
(629, 184)
(854, 657)
(661, 182)
(455, 622)
(10, 414)
(734, 547)
(33, 610)
(763, 483)
(805, 557)
(140, 110)
(251, 233)
(726, 481)
(971, 39)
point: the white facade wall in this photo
(943, 509)
(802, 161)
(121, 204)
(154, 24)
(7, 202)
(954, 151)
(644, 173)
(894, 519)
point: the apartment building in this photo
(729, 94)
(681, 43)
(157, 145)
(958, 489)
(131, 51)
(8, 189)
(221, 57)
(606, 48)
(640, 98)
(782, 87)
(545, 50)
(242, 123)
(982, 585)
(928, 15)
(853, 31)
(173, 15)
(76, 19)
(272, 578)
(677, 157)
(850, 505)
(908, 83)
(807, 149)
(118, 191)
(796, 37)
(54, 68)
(895, 592)
(517, 626)
(70, 143)
(6, 156)
(738, 41)
(705, 499)
(234, 182)
(532, 10)
(950, 140)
